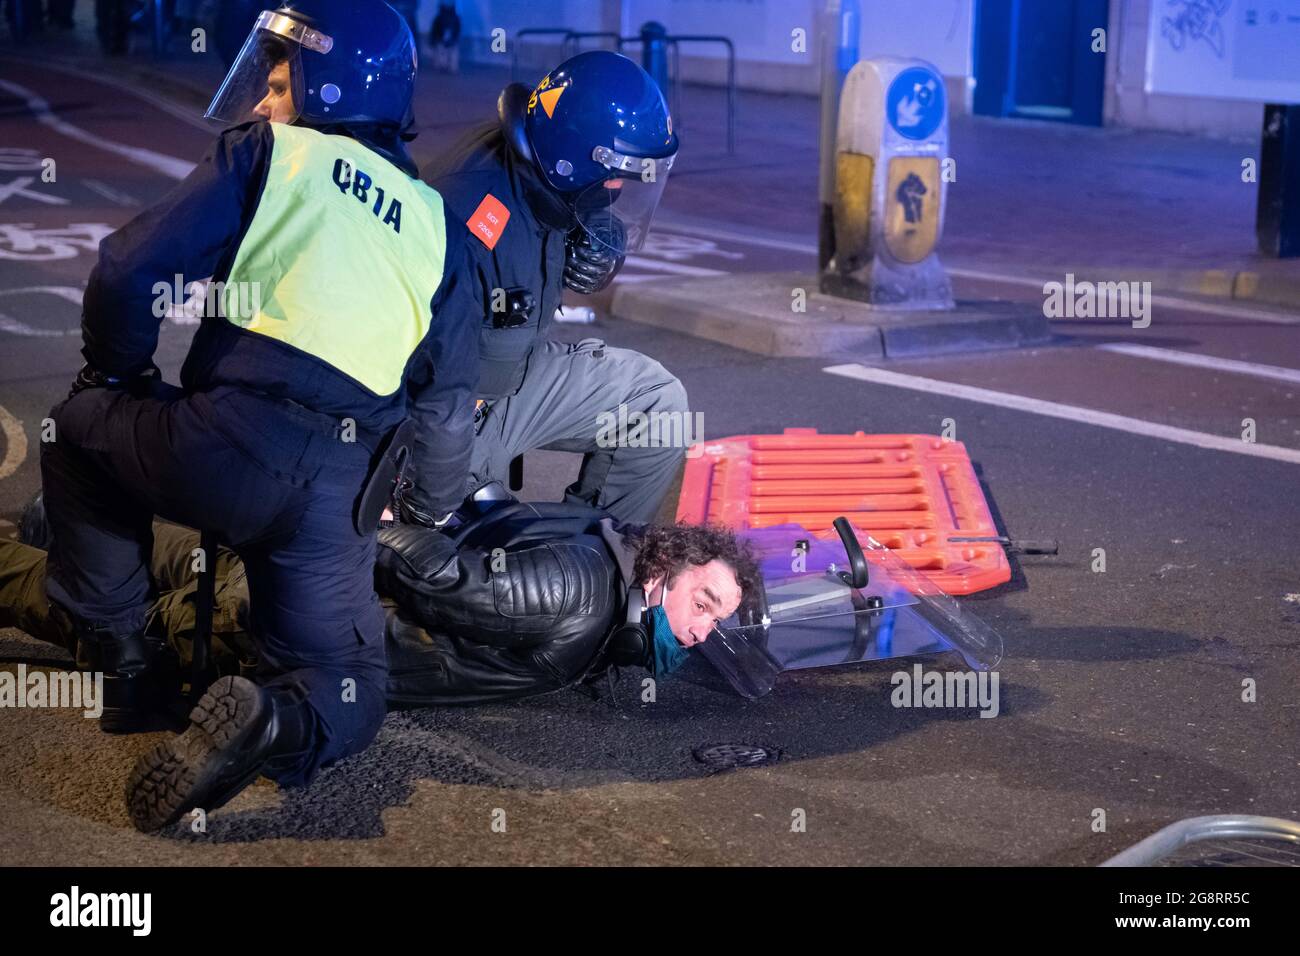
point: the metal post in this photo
(654, 53)
(675, 81)
(731, 98)
(839, 51)
(159, 29)
(671, 87)
(1277, 213)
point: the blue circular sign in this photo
(915, 103)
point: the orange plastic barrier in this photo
(912, 493)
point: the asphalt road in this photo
(1121, 691)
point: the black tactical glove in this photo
(91, 377)
(589, 265)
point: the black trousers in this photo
(278, 484)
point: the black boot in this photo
(133, 700)
(237, 730)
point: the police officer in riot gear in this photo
(337, 270)
(559, 189)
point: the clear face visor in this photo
(813, 618)
(265, 81)
(617, 211)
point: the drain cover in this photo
(727, 756)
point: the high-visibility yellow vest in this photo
(342, 257)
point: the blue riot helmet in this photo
(598, 131)
(325, 63)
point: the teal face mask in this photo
(669, 653)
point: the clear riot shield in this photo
(842, 602)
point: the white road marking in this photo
(18, 187)
(109, 193)
(14, 326)
(676, 268)
(182, 113)
(624, 279)
(15, 443)
(167, 165)
(189, 312)
(1073, 413)
(17, 327)
(1173, 302)
(1276, 372)
(676, 247)
(20, 159)
(70, 292)
(22, 241)
(764, 242)
(1164, 301)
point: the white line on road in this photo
(183, 113)
(1173, 302)
(109, 193)
(18, 187)
(71, 293)
(624, 279)
(1074, 413)
(14, 326)
(786, 245)
(167, 165)
(1276, 372)
(676, 268)
(1169, 301)
(15, 443)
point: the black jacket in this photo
(195, 232)
(526, 263)
(475, 624)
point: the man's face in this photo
(699, 597)
(277, 105)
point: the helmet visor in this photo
(616, 211)
(265, 81)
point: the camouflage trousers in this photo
(24, 605)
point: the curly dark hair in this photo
(668, 549)
(273, 50)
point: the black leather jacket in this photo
(515, 603)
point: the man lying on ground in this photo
(522, 599)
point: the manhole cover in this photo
(727, 756)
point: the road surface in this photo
(1121, 691)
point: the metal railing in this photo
(570, 40)
(534, 32)
(1218, 830)
(675, 40)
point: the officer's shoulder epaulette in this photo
(489, 220)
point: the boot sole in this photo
(191, 770)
